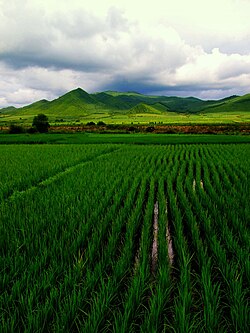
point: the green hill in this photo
(120, 107)
(39, 106)
(144, 108)
(74, 103)
(233, 104)
(7, 109)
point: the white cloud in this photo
(191, 46)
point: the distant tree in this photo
(91, 123)
(41, 123)
(101, 123)
(16, 129)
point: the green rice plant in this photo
(230, 236)
(39, 164)
(183, 301)
(100, 304)
(228, 271)
(232, 208)
(74, 219)
(210, 304)
(156, 317)
(136, 295)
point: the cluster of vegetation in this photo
(40, 124)
(139, 238)
(99, 123)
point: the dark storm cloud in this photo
(53, 61)
(198, 90)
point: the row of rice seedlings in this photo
(210, 305)
(22, 247)
(152, 162)
(232, 189)
(183, 300)
(157, 316)
(138, 283)
(230, 183)
(237, 304)
(222, 224)
(10, 227)
(237, 253)
(238, 313)
(129, 316)
(232, 207)
(218, 203)
(89, 276)
(101, 301)
(230, 274)
(237, 241)
(120, 291)
(56, 300)
(16, 176)
(97, 243)
(59, 248)
(121, 266)
(235, 160)
(239, 181)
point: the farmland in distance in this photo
(124, 238)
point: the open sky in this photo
(170, 47)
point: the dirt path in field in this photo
(155, 237)
(18, 193)
(170, 247)
(155, 240)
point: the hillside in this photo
(119, 107)
(234, 104)
(144, 108)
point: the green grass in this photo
(73, 117)
(143, 139)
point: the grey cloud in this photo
(65, 42)
(240, 45)
(233, 69)
(84, 42)
(147, 86)
(46, 54)
(78, 24)
(78, 40)
(54, 60)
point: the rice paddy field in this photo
(124, 238)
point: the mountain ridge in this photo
(78, 104)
